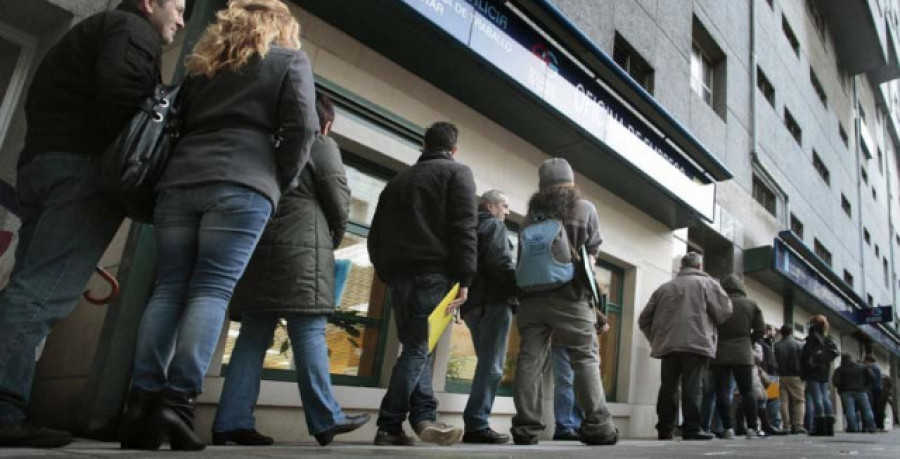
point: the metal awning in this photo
(473, 50)
(797, 273)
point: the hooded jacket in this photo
(682, 315)
(735, 345)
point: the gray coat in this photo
(292, 269)
(735, 345)
(682, 315)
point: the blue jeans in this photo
(854, 401)
(820, 400)
(204, 237)
(489, 334)
(413, 298)
(567, 414)
(66, 226)
(241, 390)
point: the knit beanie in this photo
(555, 171)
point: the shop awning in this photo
(522, 74)
(791, 269)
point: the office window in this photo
(628, 58)
(764, 196)
(874, 194)
(884, 269)
(863, 174)
(880, 161)
(791, 124)
(708, 69)
(796, 226)
(822, 252)
(877, 251)
(820, 168)
(611, 280)
(866, 236)
(765, 87)
(843, 133)
(817, 86)
(789, 34)
(845, 205)
(848, 278)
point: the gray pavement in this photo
(882, 445)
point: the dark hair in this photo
(325, 110)
(869, 358)
(786, 330)
(554, 202)
(441, 136)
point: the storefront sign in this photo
(507, 41)
(875, 315)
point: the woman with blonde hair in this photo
(815, 362)
(248, 122)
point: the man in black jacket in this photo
(487, 314)
(851, 379)
(84, 91)
(421, 242)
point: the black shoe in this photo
(350, 424)
(26, 434)
(393, 437)
(609, 438)
(774, 431)
(247, 437)
(486, 435)
(176, 415)
(140, 429)
(701, 435)
(664, 435)
(798, 430)
(523, 440)
(566, 435)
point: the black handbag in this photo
(133, 163)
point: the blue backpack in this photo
(545, 257)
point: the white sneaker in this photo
(728, 435)
(438, 432)
(753, 433)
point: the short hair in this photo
(325, 109)
(692, 260)
(441, 136)
(821, 322)
(489, 197)
(787, 330)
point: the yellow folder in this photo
(439, 319)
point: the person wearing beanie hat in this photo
(566, 314)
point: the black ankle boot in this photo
(139, 429)
(176, 414)
(829, 426)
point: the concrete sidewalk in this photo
(882, 445)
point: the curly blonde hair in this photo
(245, 28)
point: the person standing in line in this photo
(792, 391)
(291, 276)
(565, 313)
(487, 313)
(680, 322)
(87, 87)
(815, 359)
(246, 79)
(851, 380)
(422, 241)
(734, 357)
(770, 366)
(876, 391)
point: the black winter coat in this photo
(90, 83)
(495, 282)
(425, 222)
(787, 353)
(852, 376)
(817, 340)
(292, 269)
(735, 345)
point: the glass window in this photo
(701, 74)
(611, 281)
(355, 333)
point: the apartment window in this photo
(789, 34)
(796, 226)
(765, 87)
(820, 168)
(863, 174)
(793, 127)
(867, 237)
(764, 195)
(848, 278)
(822, 252)
(708, 69)
(845, 204)
(877, 251)
(843, 134)
(817, 86)
(874, 194)
(636, 66)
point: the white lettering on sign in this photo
(491, 12)
(436, 5)
(500, 39)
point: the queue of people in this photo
(253, 202)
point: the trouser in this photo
(793, 401)
(853, 401)
(489, 329)
(566, 414)
(743, 376)
(686, 370)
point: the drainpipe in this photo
(890, 199)
(859, 202)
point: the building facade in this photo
(762, 133)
